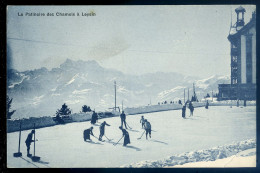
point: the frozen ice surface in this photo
(63, 145)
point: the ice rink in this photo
(63, 145)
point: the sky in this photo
(191, 40)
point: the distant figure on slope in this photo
(126, 136)
(87, 133)
(207, 104)
(180, 102)
(244, 102)
(123, 117)
(94, 118)
(237, 103)
(142, 121)
(148, 128)
(183, 111)
(191, 107)
(28, 142)
(102, 130)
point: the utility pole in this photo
(184, 96)
(115, 95)
(194, 93)
(188, 94)
(122, 105)
(212, 95)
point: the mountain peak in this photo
(69, 63)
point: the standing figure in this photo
(94, 118)
(123, 117)
(183, 111)
(207, 104)
(87, 133)
(102, 130)
(148, 128)
(28, 142)
(191, 107)
(126, 136)
(142, 121)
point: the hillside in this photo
(41, 92)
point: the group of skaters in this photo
(190, 106)
(146, 125)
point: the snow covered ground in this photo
(221, 155)
(63, 145)
(245, 158)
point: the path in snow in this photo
(63, 145)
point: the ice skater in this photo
(28, 142)
(102, 130)
(183, 111)
(148, 128)
(125, 135)
(142, 121)
(94, 118)
(87, 133)
(123, 117)
(191, 107)
(207, 104)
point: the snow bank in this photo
(212, 154)
(158, 108)
(233, 103)
(28, 123)
(81, 117)
(245, 158)
(167, 107)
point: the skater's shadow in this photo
(159, 142)
(91, 142)
(111, 142)
(43, 162)
(133, 130)
(132, 147)
(29, 162)
(95, 124)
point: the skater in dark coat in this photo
(87, 133)
(28, 142)
(191, 107)
(148, 128)
(142, 121)
(207, 104)
(102, 130)
(126, 136)
(94, 118)
(123, 117)
(183, 111)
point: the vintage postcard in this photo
(131, 86)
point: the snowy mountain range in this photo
(41, 92)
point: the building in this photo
(243, 60)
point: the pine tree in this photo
(63, 111)
(86, 108)
(8, 103)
